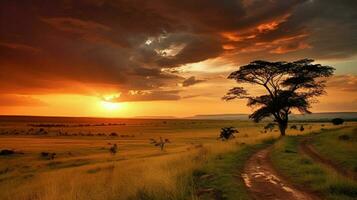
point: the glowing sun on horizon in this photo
(110, 106)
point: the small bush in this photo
(113, 134)
(337, 121)
(269, 126)
(114, 149)
(344, 137)
(293, 127)
(6, 152)
(344, 189)
(227, 133)
(48, 155)
(302, 128)
(159, 143)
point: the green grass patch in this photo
(339, 146)
(302, 170)
(222, 174)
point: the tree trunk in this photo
(282, 128)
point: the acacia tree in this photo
(288, 86)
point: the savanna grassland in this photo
(84, 168)
(324, 162)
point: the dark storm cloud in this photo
(55, 46)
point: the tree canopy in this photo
(287, 85)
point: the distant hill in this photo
(39, 119)
(221, 116)
(326, 116)
(299, 117)
(155, 117)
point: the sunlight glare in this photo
(111, 106)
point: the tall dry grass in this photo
(164, 176)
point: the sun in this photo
(110, 106)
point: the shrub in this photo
(227, 133)
(114, 149)
(344, 137)
(302, 128)
(48, 155)
(269, 126)
(294, 127)
(6, 152)
(159, 143)
(113, 134)
(337, 121)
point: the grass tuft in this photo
(303, 171)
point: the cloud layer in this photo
(86, 47)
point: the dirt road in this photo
(307, 148)
(264, 183)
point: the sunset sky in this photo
(125, 58)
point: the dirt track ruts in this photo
(307, 149)
(264, 183)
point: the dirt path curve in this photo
(307, 149)
(264, 183)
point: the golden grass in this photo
(139, 169)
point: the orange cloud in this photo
(20, 100)
(289, 47)
(228, 47)
(269, 26)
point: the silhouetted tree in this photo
(337, 121)
(288, 86)
(227, 133)
(160, 143)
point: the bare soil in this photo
(264, 183)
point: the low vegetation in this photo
(87, 167)
(344, 143)
(227, 133)
(160, 143)
(304, 171)
(337, 121)
(221, 178)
